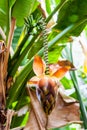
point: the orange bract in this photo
(57, 70)
(38, 66)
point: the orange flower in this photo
(46, 85)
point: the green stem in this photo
(75, 82)
(59, 6)
(82, 107)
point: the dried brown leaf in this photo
(10, 113)
(37, 119)
(2, 85)
(67, 64)
(11, 32)
(32, 122)
(42, 10)
(17, 128)
(64, 113)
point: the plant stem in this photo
(75, 82)
(13, 22)
(59, 6)
(82, 107)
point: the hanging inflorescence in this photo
(45, 43)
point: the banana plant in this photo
(37, 102)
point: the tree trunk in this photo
(2, 87)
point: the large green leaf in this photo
(23, 8)
(3, 11)
(55, 52)
(72, 12)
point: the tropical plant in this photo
(30, 30)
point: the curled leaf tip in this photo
(67, 64)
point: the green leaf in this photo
(12, 2)
(3, 13)
(48, 6)
(17, 34)
(35, 48)
(19, 120)
(23, 8)
(72, 12)
(57, 1)
(75, 127)
(55, 52)
(23, 100)
(66, 83)
(63, 128)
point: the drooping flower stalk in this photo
(45, 43)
